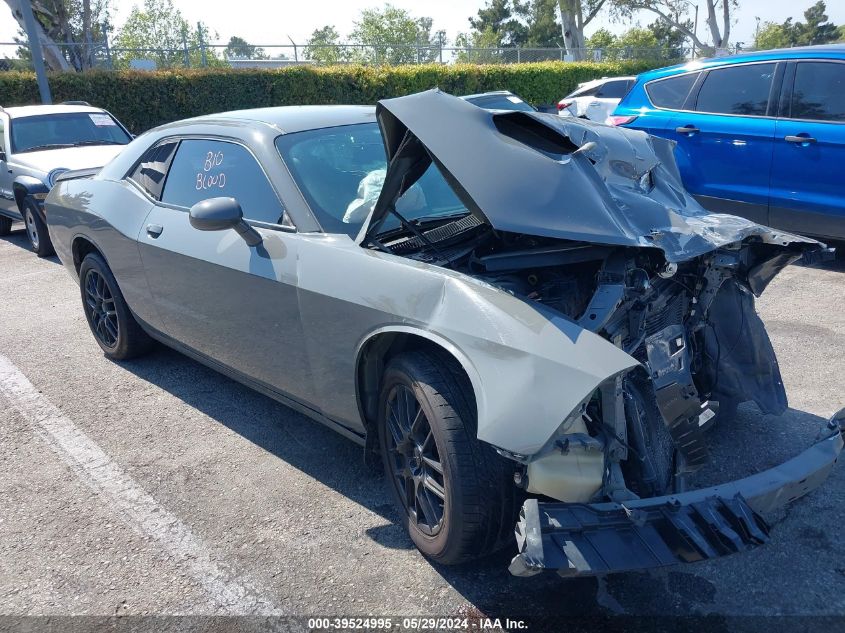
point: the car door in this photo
(807, 193)
(725, 138)
(7, 196)
(216, 295)
(606, 99)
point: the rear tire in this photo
(5, 226)
(36, 230)
(112, 324)
(456, 495)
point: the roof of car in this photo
(288, 119)
(604, 80)
(833, 51)
(37, 110)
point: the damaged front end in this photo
(592, 224)
(619, 465)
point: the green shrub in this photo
(145, 99)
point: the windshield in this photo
(340, 171)
(50, 131)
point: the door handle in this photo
(801, 140)
(689, 130)
(154, 230)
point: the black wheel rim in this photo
(101, 309)
(416, 466)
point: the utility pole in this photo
(35, 51)
(695, 31)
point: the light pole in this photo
(695, 31)
(35, 51)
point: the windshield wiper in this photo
(36, 148)
(98, 143)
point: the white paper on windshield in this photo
(514, 99)
(102, 120)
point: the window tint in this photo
(819, 91)
(341, 170)
(613, 90)
(150, 172)
(737, 90)
(583, 92)
(205, 169)
(33, 133)
(671, 93)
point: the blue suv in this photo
(761, 135)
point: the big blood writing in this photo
(206, 180)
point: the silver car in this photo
(525, 319)
(37, 143)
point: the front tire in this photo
(5, 226)
(456, 495)
(36, 230)
(112, 324)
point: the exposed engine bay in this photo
(692, 325)
(591, 227)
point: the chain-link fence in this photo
(104, 55)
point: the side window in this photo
(819, 92)
(150, 172)
(671, 93)
(737, 90)
(205, 169)
(587, 92)
(613, 90)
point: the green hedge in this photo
(145, 99)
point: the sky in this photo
(263, 22)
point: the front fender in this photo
(24, 186)
(533, 365)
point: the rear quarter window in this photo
(671, 93)
(613, 90)
(818, 93)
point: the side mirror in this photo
(220, 214)
(3, 155)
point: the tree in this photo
(324, 47)
(70, 31)
(543, 29)
(158, 31)
(604, 41)
(479, 47)
(602, 38)
(816, 30)
(774, 35)
(501, 18)
(575, 15)
(670, 40)
(239, 48)
(674, 12)
(393, 36)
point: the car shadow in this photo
(542, 600)
(18, 238)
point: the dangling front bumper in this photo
(578, 539)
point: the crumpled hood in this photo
(520, 172)
(69, 157)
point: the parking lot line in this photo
(230, 593)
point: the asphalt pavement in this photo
(158, 486)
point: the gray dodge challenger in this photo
(526, 320)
